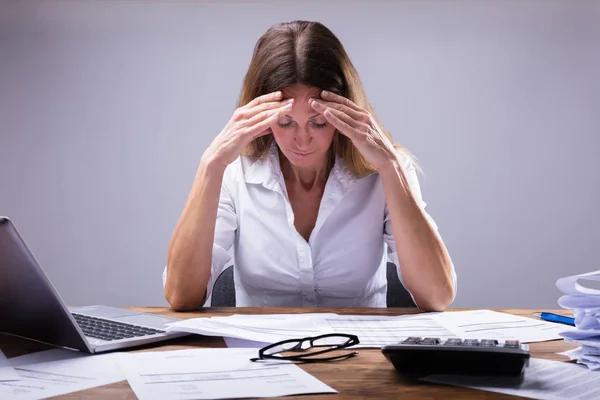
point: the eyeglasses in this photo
(317, 346)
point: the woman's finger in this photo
(256, 122)
(265, 98)
(335, 118)
(329, 96)
(264, 127)
(245, 113)
(253, 120)
(271, 105)
(356, 125)
(319, 105)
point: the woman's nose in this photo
(303, 136)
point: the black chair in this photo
(397, 295)
(223, 294)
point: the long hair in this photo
(308, 53)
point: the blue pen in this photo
(546, 316)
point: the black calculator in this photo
(417, 356)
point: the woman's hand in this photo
(359, 126)
(247, 123)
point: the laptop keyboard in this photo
(110, 330)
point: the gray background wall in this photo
(106, 108)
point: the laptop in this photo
(30, 307)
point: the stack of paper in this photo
(585, 303)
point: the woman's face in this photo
(303, 135)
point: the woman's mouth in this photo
(302, 153)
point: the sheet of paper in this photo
(42, 380)
(243, 343)
(487, 324)
(7, 372)
(571, 285)
(213, 374)
(267, 328)
(544, 379)
(46, 356)
(582, 334)
(280, 317)
(377, 331)
(587, 355)
(587, 319)
(232, 342)
(575, 301)
(592, 341)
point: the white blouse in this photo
(344, 262)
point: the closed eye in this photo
(286, 125)
(312, 124)
(318, 126)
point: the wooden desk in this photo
(368, 375)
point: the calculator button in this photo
(471, 342)
(511, 343)
(488, 342)
(412, 340)
(432, 341)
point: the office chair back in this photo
(223, 294)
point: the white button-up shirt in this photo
(344, 262)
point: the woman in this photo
(303, 191)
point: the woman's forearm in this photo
(189, 257)
(424, 261)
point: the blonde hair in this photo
(308, 53)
